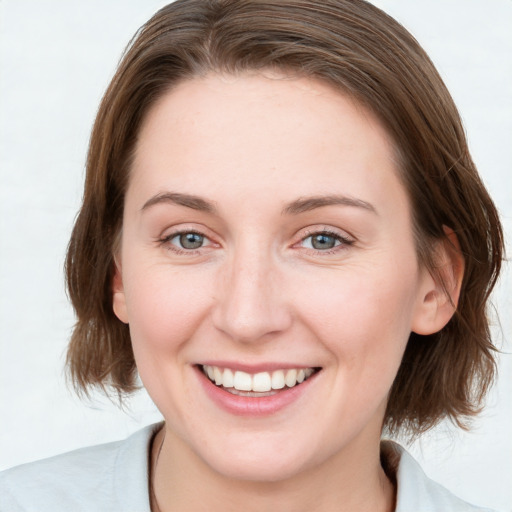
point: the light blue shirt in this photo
(113, 477)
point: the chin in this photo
(273, 462)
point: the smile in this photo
(259, 384)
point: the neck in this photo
(182, 482)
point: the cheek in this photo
(364, 318)
(165, 308)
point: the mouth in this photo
(261, 384)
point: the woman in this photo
(284, 234)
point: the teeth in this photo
(262, 382)
(217, 374)
(278, 380)
(228, 378)
(242, 381)
(291, 378)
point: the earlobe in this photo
(440, 288)
(118, 296)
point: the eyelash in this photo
(344, 241)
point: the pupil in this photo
(191, 240)
(323, 242)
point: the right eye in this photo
(186, 242)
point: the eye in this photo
(325, 241)
(190, 240)
(187, 240)
(320, 241)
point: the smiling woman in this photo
(250, 307)
(284, 235)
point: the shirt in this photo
(113, 477)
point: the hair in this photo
(363, 53)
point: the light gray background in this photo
(56, 58)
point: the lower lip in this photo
(253, 406)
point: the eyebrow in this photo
(305, 204)
(301, 205)
(188, 200)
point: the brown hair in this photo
(366, 54)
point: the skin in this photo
(258, 291)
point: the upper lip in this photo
(256, 367)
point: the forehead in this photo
(264, 130)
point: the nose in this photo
(251, 305)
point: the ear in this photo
(440, 289)
(118, 296)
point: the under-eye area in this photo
(258, 384)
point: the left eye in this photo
(189, 240)
(321, 241)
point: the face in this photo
(267, 240)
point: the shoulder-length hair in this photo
(364, 53)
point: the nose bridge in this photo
(250, 302)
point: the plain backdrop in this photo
(56, 58)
